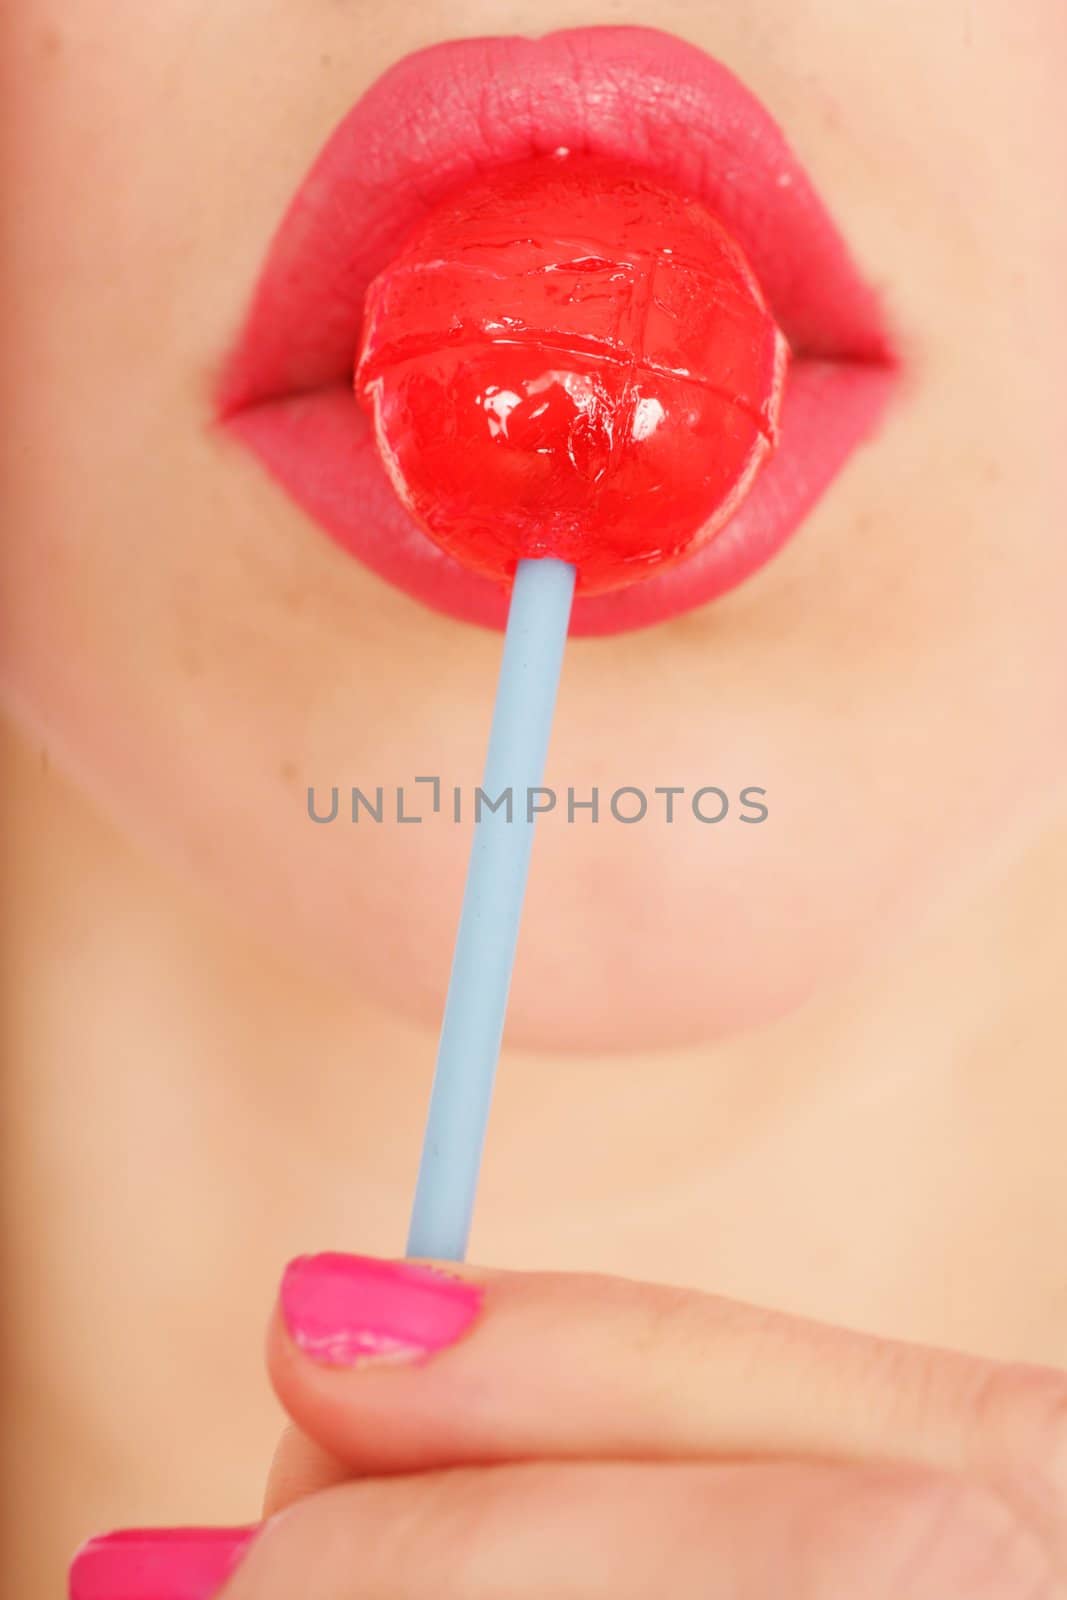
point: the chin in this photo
(629, 946)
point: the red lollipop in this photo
(568, 359)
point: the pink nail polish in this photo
(343, 1309)
(157, 1563)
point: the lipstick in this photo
(447, 115)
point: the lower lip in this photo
(287, 388)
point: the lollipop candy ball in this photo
(568, 359)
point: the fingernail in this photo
(342, 1309)
(157, 1563)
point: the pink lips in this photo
(445, 113)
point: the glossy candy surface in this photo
(568, 359)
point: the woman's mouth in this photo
(445, 114)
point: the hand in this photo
(539, 1437)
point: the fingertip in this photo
(345, 1310)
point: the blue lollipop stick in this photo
(492, 908)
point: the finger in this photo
(582, 1531)
(394, 1368)
(300, 1467)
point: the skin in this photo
(205, 619)
(840, 1029)
(853, 1466)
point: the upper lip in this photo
(433, 120)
